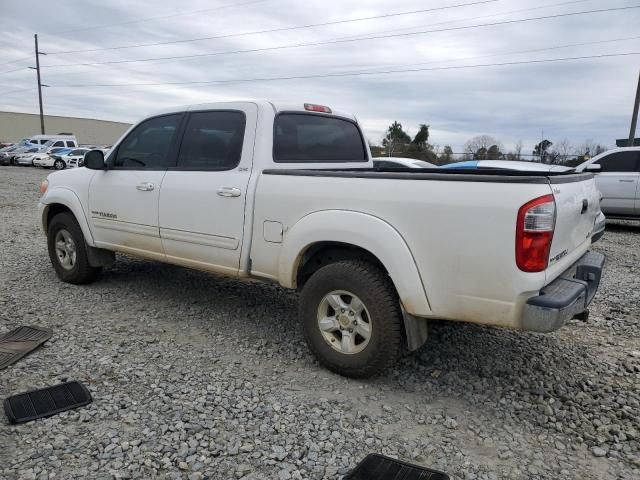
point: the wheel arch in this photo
(333, 235)
(59, 200)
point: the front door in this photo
(123, 200)
(202, 201)
(618, 182)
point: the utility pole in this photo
(39, 85)
(634, 119)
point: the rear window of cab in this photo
(311, 138)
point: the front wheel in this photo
(58, 165)
(351, 318)
(68, 250)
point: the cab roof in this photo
(262, 104)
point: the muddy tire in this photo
(351, 318)
(68, 250)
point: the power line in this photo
(332, 42)
(146, 19)
(16, 61)
(282, 29)
(519, 52)
(18, 91)
(131, 22)
(14, 70)
(350, 74)
(499, 14)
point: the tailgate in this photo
(577, 206)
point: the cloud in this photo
(575, 100)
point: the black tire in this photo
(374, 288)
(81, 272)
(59, 165)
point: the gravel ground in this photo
(195, 376)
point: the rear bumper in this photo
(565, 297)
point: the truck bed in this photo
(458, 228)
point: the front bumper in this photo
(567, 296)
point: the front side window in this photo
(59, 143)
(308, 138)
(620, 162)
(212, 141)
(148, 145)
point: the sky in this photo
(423, 76)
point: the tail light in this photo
(534, 233)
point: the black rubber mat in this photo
(45, 402)
(379, 467)
(18, 342)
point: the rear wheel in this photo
(58, 165)
(68, 250)
(351, 318)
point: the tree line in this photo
(397, 143)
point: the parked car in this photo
(68, 158)
(400, 162)
(288, 194)
(617, 174)
(510, 165)
(5, 145)
(75, 158)
(59, 140)
(44, 159)
(7, 157)
(25, 158)
(6, 154)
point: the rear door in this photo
(123, 200)
(202, 200)
(618, 182)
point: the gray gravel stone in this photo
(195, 376)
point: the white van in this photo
(60, 140)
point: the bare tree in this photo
(482, 145)
(517, 150)
(562, 150)
(589, 148)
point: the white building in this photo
(15, 126)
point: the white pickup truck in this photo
(289, 194)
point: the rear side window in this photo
(620, 162)
(71, 144)
(148, 145)
(59, 143)
(308, 138)
(212, 141)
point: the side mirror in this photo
(94, 160)
(594, 167)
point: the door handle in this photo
(229, 192)
(631, 180)
(145, 186)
